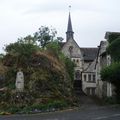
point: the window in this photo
(71, 49)
(77, 61)
(94, 78)
(89, 77)
(108, 60)
(84, 77)
(74, 60)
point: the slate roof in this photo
(61, 44)
(69, 28)
(89, 54)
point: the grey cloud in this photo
(91, 17)
(100, 6)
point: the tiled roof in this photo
(89, 54)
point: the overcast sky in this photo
(90, 19)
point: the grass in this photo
(34, 108)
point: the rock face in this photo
(19, 81)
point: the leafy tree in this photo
(45, 36)
(113, 37)
(114, 49)
(54, 48)
(1, 56)
(112, 73)
(69, 65)
(28, 40)
(20, 51)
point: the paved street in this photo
(85, 113)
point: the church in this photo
(88, 65)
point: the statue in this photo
(19, 81)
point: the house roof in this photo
(61, 44)
(89, 54)
(91, 67)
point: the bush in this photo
(50, 106)
(111, 74)
(110, 100)
(14, 109)
(57, 104)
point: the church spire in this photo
(69, 33)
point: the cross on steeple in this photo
(69, 33)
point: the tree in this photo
(20, 52)
(111, 73)
(1, 55)
(28, 40)
(69, 65)
(113, 37)
(45, 36)
(54, 48)
(114, 49)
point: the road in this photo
(83, 113)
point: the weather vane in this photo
(69, 8)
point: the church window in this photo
(71, 49)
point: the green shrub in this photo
(14, 109)
(110, 100)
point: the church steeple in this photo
(69, 33)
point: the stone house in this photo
(89, 62)
(103, 59)
(84, 58)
